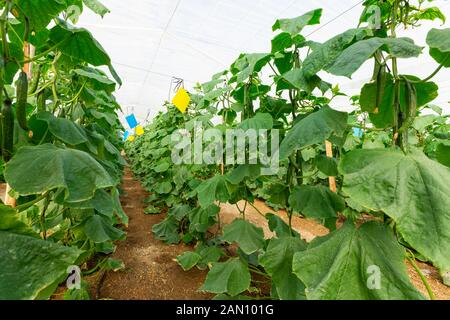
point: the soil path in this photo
(150, 270)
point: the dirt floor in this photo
(152, 273)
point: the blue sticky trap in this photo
(132, 122)
(126, 134)
(357, 132)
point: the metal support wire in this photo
(179, 83)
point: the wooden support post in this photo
(222, 166)
(329, 152)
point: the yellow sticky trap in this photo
(139, 130)
(130, 138)
(181, 100)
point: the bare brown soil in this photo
(151, 272)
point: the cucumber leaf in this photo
(32, 268)
(231, 276)
(355, 263)
(249, 237)
(37, 169)
(410, 188)
(277, 261)
(313, 129)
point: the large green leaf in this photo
(244, 171)
(430, 13)
(247, 64)
(316, 201)
(162, 166)
(64, 129)
(188, 259)
(231, 276)
(40, 12)
(249, 237)
(439, 42)
(35, 170)
(211, 190)
(410, 188)
(313, 129)
(443, 153)
(295, 25)
(281, 228)
(324, 55)
(32, 268)
(277, 261)
(97, 7)
(326, 165)
(284, 40)
(297, 79)
(439, 39)
(258, 122)
(346, 263)
(102, 202)
(202, 218)
(163, 187)
(98, 80)
(167, 230)
(118, 207)
(209, 254)
(10, 221)
(80, 45)
(278, 193)
(179, 211)
(354, 56)
(99, 229)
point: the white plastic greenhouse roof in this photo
(151, 41)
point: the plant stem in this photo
(398, 114)
(434, 72)
(257, 210)
(273, 69)
(25, 206)
(245, 207)
(422, 277)
(257, 271)
(43, 137)
(42, 54)
(42, 220)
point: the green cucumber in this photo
(35, 80)
(40, 100)
(21, 100)
(7, 130)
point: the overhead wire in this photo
(166, 27)
(335, 18)
(150, 71)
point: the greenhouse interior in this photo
(257, 150)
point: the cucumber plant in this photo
(390, 163)
(60, 142)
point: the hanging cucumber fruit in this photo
(34, 84)
(7, 130)
(2, 85)
(21, 100)
(40, 100)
